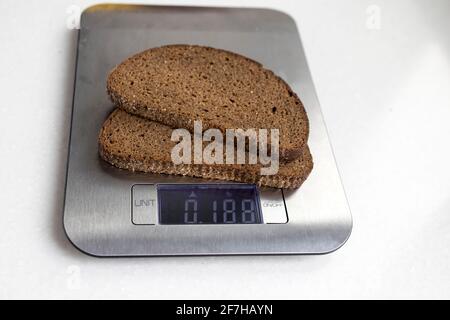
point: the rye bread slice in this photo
(137, 144)
(178, 84)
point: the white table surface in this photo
(385, 93)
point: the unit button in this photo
(144, 204)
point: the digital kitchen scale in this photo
(112, 212)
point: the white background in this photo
(385, 95)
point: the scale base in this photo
(98, 216)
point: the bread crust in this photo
(124, 142)
(178, 84)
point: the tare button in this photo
(144, 206)
(272, 206)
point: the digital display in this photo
(194, 204)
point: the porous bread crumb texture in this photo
(136, 144)
(178, 84)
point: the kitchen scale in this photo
(112, 212)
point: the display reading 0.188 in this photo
(208, 204)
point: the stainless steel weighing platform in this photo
(110, 212)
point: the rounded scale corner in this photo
(105, 6)
(78, 246)
(92, 8)
(341, 243)
(101, 7)
(280, 13)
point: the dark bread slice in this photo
(137, 144)
(178, 84)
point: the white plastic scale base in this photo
(105, 210)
